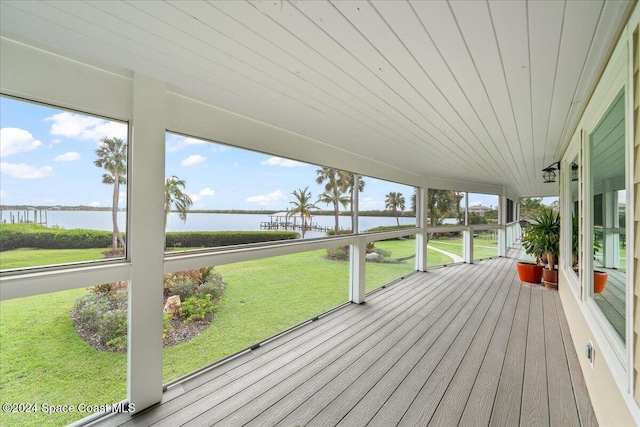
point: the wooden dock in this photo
(463, 345)
(274, 225)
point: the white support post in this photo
(355, 196)
(467, 244)
(611, 241)
(146, 242)
(357, 254)
(502, 242)
(502, 220)
(422, 238)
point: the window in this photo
(218, 195)
(63, 348)
(389, 260)
(608, 192)
(244, 303)
(385, 205)
(574, 203)
(63, 186)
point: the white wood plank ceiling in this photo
(483, 91)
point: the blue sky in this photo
(47, 154)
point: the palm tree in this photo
(176, 197)
(393, 202)
(302, 205)
(336, 185)
(112, 157)
(351, 186)
(337, 199)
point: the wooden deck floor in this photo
(612, 301)
(461, 345)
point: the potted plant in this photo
(599, 277)
(530, 272)
(546, 229)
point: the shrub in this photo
(213, 288)
(210, 239)
(384, 257)
(89, 308)
(196, 308)
(100, 316)
(184, 288)
(183, 283)
(332, 232)
(112, 329)
(392, 228)
(104, 315)
(13, 236)
(341, 253)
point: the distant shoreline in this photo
(206, 211)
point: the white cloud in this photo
(3, 193)
(85, 128)
(196, 197)
(268, 199)
(178, 142)
(278, 161)
(23, 171)
(94, 204)
(193, 159)
(71, 156)
(14, 140)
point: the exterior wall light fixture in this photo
(549, 173)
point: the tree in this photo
(442, 204)
(335, 189)
(395, 201)
(414, 198)
(176, 197)
(302, 205)
(112, 157)
(531, 207)
(351, 186)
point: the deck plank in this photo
(273, 357)
(562, 405)
(330, 397)
(365, 386)
(399, 402)
(469, 346)
(535, 395)
(508, 400)
(580, 392)
(306, 363)
(484, 349)
(460, 345)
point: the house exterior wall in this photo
(635, 60)
(613, 381)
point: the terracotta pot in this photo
(550, 278)
(529, 272)
(599, 281)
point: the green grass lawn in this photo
(27, 257)
(42, 359)
(483, 246)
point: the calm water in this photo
(101, 220)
